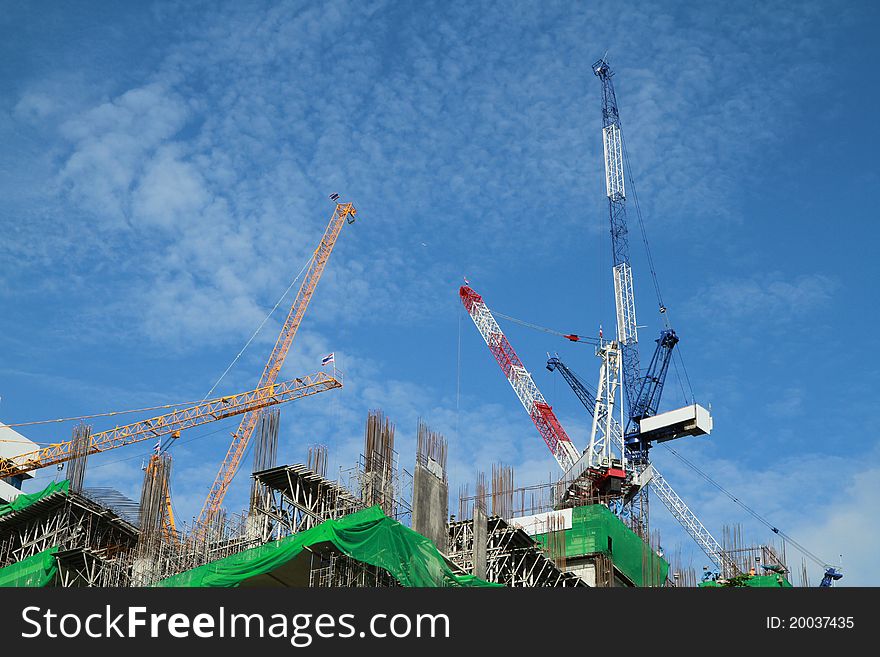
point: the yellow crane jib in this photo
(186, 418)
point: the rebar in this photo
(76, 468)
(265, 448)
(317, 461)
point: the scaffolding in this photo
(294, 498)
(333, 569)
(90, 538)
(526, 500)
(751, 559)
(513, 558)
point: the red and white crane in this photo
(606, 474)
(520, 380)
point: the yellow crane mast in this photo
(343, 212)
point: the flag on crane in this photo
(329, 358)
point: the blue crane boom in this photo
(615, 189)
(642, 393)
(588, 399)
(650, 390)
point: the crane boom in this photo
(342, 212)
(686, 518)
(588, 399)
(651, 388)
(615, 190)
(176, 421)
(518, 376)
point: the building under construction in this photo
(376, 524)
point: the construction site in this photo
(389, 519)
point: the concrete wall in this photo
(586, 566)
(430, 506)
(585, 569)
(481, 542)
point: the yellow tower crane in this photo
(342, 212)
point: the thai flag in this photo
(328, 359)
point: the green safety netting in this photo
(36, 571)
(368, 536)
(25, 500)
(755, 581)
(596, 529)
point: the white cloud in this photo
(110, 144)
(771, 298)
(846, 531)
(826, 502)
(35, 105)
(170, 191)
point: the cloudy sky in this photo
(164, 175)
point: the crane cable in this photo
(171, 440)
(177, 404)
(573, 337)
(752, 512)
(260, 327)
(663, 311)
(635, 193)
(650, 258)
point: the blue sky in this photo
(165, 171)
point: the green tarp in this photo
(24, 501)
(38, 570)
(596, 529)
(368, 536)
(755, 581)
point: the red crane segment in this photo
(520, 380)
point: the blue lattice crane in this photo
(615, 190)
(831, 575)
(641, 424)
(642, 392)
(650, 390)
(588, 399)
